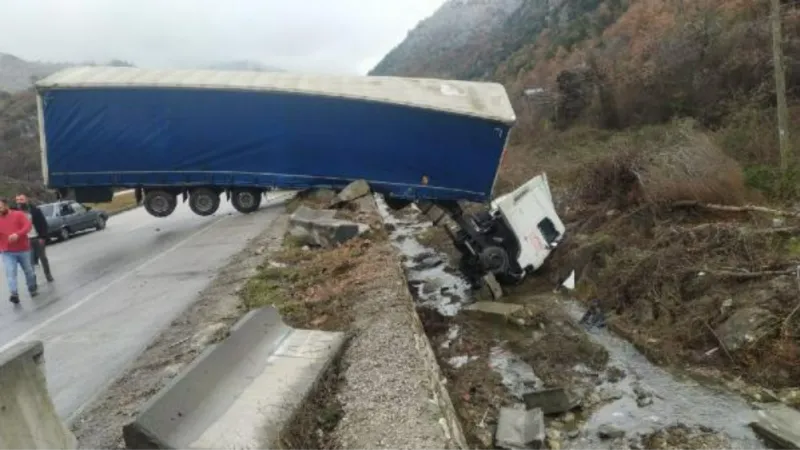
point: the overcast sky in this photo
(334, 36)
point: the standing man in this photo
(16, 249)
(37, 235)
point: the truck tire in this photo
(494, 259)
(160, 203)
(203, 201)
(246, 201)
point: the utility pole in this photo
(780, 86)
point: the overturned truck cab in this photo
(509, 239)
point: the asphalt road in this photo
(115, 289)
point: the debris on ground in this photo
(779, 424)
(552, 400)
(519, 428)
(319, 228)
(382, 397)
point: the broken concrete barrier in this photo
(494, 309)
(318, 227)
(519, 429)
(552, 401)
(240, 393)
(28, 418)
(353, 191)
(779, 424)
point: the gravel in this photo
(387, 397)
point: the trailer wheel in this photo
(494, 259)
(203, 201)
(160, 203)
(246, 201)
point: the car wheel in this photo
(100, 223)
(63, 235)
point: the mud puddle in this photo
(491, 366)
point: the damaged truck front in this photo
(202, 135)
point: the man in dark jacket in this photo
(37, 235)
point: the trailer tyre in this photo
(246, 201)
(160, 203)
(203, 201)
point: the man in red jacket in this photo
(16, 249)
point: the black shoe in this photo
(50, 279)
(14, 299)
(34, 291)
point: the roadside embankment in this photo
(387, 392)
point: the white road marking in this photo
(94, 294)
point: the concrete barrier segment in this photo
(240, 392)
(28, 418)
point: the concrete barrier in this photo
(239, 393)
(28, 418)
(318, 227)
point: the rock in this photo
(496, 309)
(553, 434)
(778, 424)
(319, 228)
(608, 431)
(568, 418)
(425, 261)
(552, 401)
(429, 287)
(390, 227)
(517, 428)
(778, 222)
(615, 374)
(573, 434)
(553, 445)
(643, 397)
(352, 191)
(745, 326)
(490, 283)
(790, 396)
(172, 370)
(321, 195)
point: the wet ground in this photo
(639, 404)
(116, 289)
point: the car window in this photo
(47, 210)
(78, 208)
(66, 209)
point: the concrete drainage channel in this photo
(621, 401)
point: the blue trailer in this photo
(177, 131)
(200, 134)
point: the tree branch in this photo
(728, 208)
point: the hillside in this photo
(16, 73)
(20, 167)
(655, 121)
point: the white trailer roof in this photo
(478, 99)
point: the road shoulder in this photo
(218, 306)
